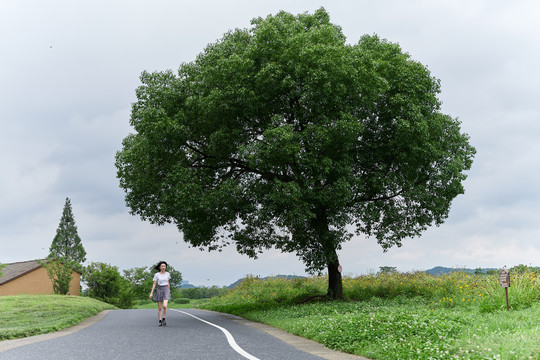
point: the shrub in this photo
(181, 301)
(202, 292)
(105, 283)
(142, 302)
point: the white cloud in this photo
(70, 70)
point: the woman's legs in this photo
(159, 309)
(165, 302)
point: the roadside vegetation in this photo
(388, 315)
(179, 303)
(401, 316)
(130, 290)
(184, 298)
(28, 315)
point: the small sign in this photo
(504, 281)
(504, 278)
(339, 269)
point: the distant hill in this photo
(186, 285)
(441, 270)
(288, 277)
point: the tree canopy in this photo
(105, 283)
(283, 135)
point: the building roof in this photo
(15, 270)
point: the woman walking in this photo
(163, 291)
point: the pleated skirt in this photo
(162, 293)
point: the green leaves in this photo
(67, 245)
(66, 252)
(105, 283)
(283, 135)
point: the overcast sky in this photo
(68, 74)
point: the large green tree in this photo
(283, 135)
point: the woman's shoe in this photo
(164, 322)
(160, 323)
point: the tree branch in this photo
(235, 165)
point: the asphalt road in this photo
(189, 334)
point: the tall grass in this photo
(450, 290)
(453, 289)
(524, 291)
(253, 293)
(401, 316)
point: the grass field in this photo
(397, 316)
(28, 315)
(401, 316)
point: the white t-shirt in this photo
(162, 279)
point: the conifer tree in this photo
(67, 245)
(66, 252)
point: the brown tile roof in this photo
(14, 270)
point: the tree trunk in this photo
(335, 284)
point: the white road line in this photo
(230, 338)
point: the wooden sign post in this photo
(504, 281)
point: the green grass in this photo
(27, 315)
(401, 316)
(149, 304)
(397, 316)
